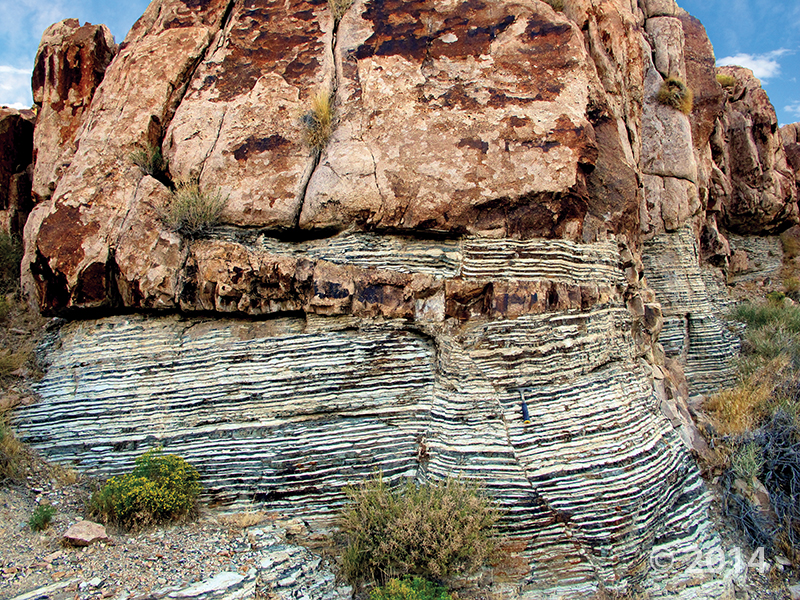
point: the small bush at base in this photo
(41, 517)
(161, 487)
(674, 93)
(191, 210)
(432, 530)
(409, 589)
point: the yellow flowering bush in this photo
(161, 487)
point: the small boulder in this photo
(85, 533)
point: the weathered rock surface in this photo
(16, 155)
(71, 239)
(460, 119)
(756, 191)
(693, 330)
(69, 66)
(238, 126)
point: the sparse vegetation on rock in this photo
(339, 7)
(676, 93)
(318, 122)
(10, 257)
(161, 487)
(192, 210)
(12, 452)
(726, 80)
(433, 530)
(150, 161)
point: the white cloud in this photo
(15, 87)
(793, 108)
(764, 66)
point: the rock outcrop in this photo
(69, 66)
(16, 156)
(752, 187)
(504, 213)
(790, 134)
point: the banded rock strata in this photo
(499, 211)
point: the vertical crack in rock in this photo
(179, 91)
(334, 52)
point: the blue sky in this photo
(761, 35)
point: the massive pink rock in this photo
(754, 187)
(238, 126)
(71, 240)
(16, 154)
(70, 64)
(790, 135)
(460, 117)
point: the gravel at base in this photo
(174, 561)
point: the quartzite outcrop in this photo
(16, 158)
(69, 66)
(504, 213)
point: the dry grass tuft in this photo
(191, 210)
(16, 459)
(318, 122)
(244, 520)
(726, 80)
(741, 409)
(150, 161)
(339, 7)
(675, 93)
(10, 258)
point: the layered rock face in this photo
(16, 156)
(500, 208)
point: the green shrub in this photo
(410, 589)
(339, 7)
(10, 259)
(757, 316)
(318, 122)
(150, 161)
(41, 517)
(161, 487)
(192, 210)
(431, 530)
(558, 5)
(673, 92)
(747, 462)
(726, 80)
